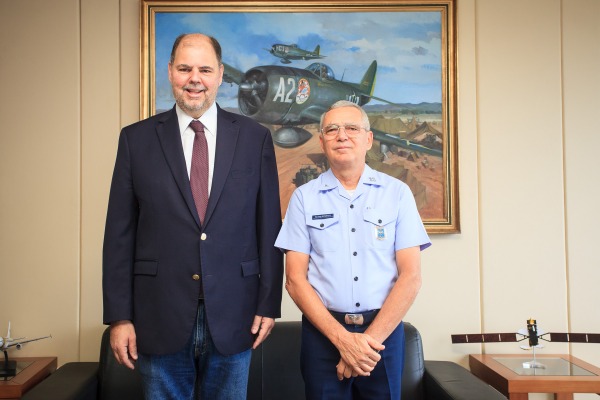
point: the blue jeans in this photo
(198, 371)
(319, 358)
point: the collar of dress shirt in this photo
(208, 119)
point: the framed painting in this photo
(286, 62)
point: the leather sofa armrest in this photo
(445, 380)
(72, 381)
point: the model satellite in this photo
(533, 334)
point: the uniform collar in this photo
(328, 181)
(368, 177)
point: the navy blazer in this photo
(154, 244)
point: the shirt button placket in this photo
(354, 253)
(353, 239)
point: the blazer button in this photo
(203, 236)
(196, 277)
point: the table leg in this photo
(518, 396)
(563, 396)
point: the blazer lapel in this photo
(169, 136)
(227, 136)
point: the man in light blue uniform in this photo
(352, 239)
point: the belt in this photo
(363, 318)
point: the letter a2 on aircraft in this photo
(287, 96)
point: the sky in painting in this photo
(406, 45)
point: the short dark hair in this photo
(214, 42)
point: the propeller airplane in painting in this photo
(289, 52)
(288, 96)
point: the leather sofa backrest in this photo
(275, 366)
(414, 364)
(274, 374)
(274, 369)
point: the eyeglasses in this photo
(351, 130)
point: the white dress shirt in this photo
(209, 120)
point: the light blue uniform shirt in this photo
(352, 241)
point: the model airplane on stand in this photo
(533, 334)
(8, 367)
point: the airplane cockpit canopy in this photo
(321, 70)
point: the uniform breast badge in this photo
(380, 232)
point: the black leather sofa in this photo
(274, 374)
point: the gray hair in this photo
(346, 103)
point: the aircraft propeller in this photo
(252, 92)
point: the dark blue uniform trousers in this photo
(319, 358)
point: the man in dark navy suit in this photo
(189, 288)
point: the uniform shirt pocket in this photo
(381, 224)
(324, 231)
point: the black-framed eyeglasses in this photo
(351, 130)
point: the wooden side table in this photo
(30, 372)
(563, 375)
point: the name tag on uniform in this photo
(380, 232)
(322, 216)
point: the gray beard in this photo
(189, 109)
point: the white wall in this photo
(528, 172)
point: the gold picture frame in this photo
(397, 58)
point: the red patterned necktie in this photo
(199, 169)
